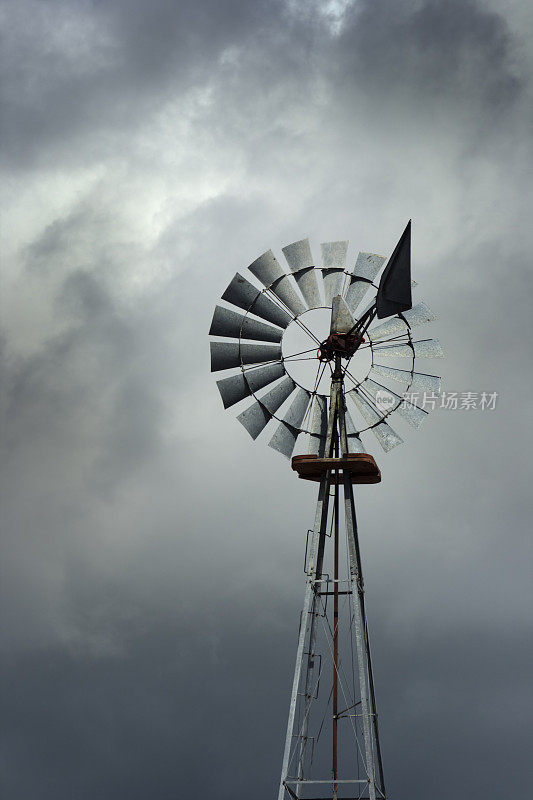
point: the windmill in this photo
(328, 398)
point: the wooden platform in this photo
(362, 467)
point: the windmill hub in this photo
(342, 344)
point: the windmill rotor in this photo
(252, 327)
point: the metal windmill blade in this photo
(413, 415)
(386, 436)
(300, 260)
(414, 381)
(318, 428)
(255, 417)
(366, 268)
(333, 267)
(234, 326)
(398, 325)
(245, 383)
(289, 429)
(355, 444)
(424, 348)
(268, 270)
(243, 294)
(225, 355)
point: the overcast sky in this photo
(151, 551)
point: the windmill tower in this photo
(332, 744)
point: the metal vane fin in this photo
(333, 283)
(245, 295)
(255, 417)
(236, 326)
(258, 377)
(319, 426)
(366, 268)
(419, 315)
(298, 255)
(307, 280)
(284, 439)
(355, 444)
(413, 415)
(233, 389)
(296, 411)
(386, 436)
(285, 435)
(333, 266)
(334, 255)
(274, 398)
(268, 270)
(395, 326)
(425, 348)
(225, 355)
(237, 387)
(300, 260)
(350, 427)
(416, 381)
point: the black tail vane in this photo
(394, 293)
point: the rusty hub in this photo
(343, 344)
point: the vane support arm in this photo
(362, 325)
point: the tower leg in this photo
(308, 692)
(360, 638)
(307, 628)
(335, 688)
(358, 600)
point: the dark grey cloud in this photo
(107, 67)
(152, 553)
(454, 52)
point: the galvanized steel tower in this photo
(332, 745)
